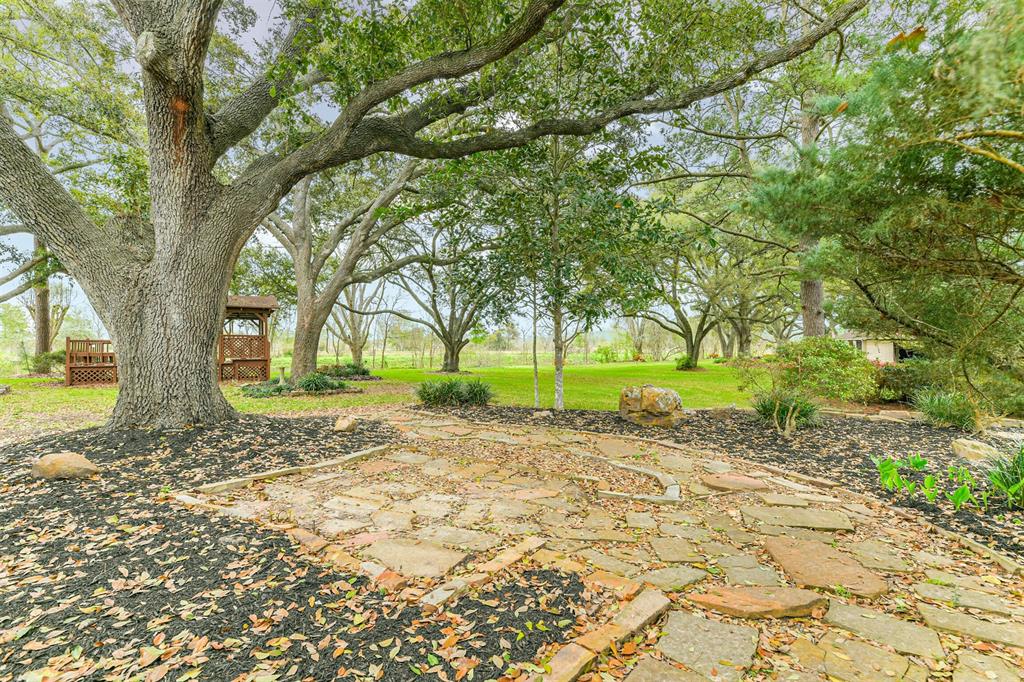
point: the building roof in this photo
(253, 302)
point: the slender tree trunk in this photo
(41, 314)
(536, 366)
(559, 344)
(812, 290)
(356, 349)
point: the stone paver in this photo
(963, 624)
(849, 660)
(905, 637)
(818, 565)
(646, 608)
(975, 667)
(674, 578)
(878, 555)
(675, 550)
(452, 536)
(607, 563)
(954, 596)
(777, 500)
(733, 482)
(641, 520)
(816, 519)
(761, 602)
(717, 650)
(414, 558)
(743, 569)
(653, 670)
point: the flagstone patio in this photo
(721, 544)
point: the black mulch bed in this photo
(839, 449)
(106, 578)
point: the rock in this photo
(975, 667)
(64, 465)
(974, 450)
(414, 558)
(570, 662)
(812, 563)
(646, 608)
(607, 563)
(777, 500)
(460, 538)
(641, 520)
(653, 670)
(743, 569)
(761, 602)
(718, 651)
(962, 624)
(648, 405)
(675, 578)
(540, 414)
(819, 519)
(346, 424)
(953, 596)
(4, 389)
(733, 482)
(901, 635)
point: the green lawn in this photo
(42, 405)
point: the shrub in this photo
(1006, 475)
(685, 362)
(785, 410)
(315, 382)
(947, 408)
(44, 363)
(828, 368)
(454, 393)
(902, 380)
(349, 369)
(720, 361)
(605, 354)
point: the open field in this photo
(36, 406)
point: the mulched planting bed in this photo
(840, 449)
(104, 579)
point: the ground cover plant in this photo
(945, 407)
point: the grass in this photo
(37, 406)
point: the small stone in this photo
(600, 639)
(64, 465)
(962, 624)
(624, 587)
(607, 563)
(646, 608)
(719, 651)
(652, 670)
(733, 482)
(849, 660)
(346, 424)
(570, 662)
(675, 578)
(777, 500)
(818, 519)
(905, 637)
(761, 602)
(819, 565)
(310, 541)
(974, 450)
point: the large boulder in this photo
(64, 465)
(649, 405)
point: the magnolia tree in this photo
(417, 79)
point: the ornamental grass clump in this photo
(454, 393)
(943, 407)
(785, 410)
(315, 382)
(1006, 476)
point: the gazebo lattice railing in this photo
(240, 357)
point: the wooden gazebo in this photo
(243, 351)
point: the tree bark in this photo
(812, 290)
(356, 349)
(559, 344)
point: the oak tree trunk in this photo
(356, 349)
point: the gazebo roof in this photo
(258, 306)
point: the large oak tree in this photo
(158, 278)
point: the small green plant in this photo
(930, 488)
(785, 410)
(454, 393)
(947, 408)
(265, 389)
(842, 591)
(889, 473)
(684, 362)
(1006, 476)
(917, 462)
(961, 496)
